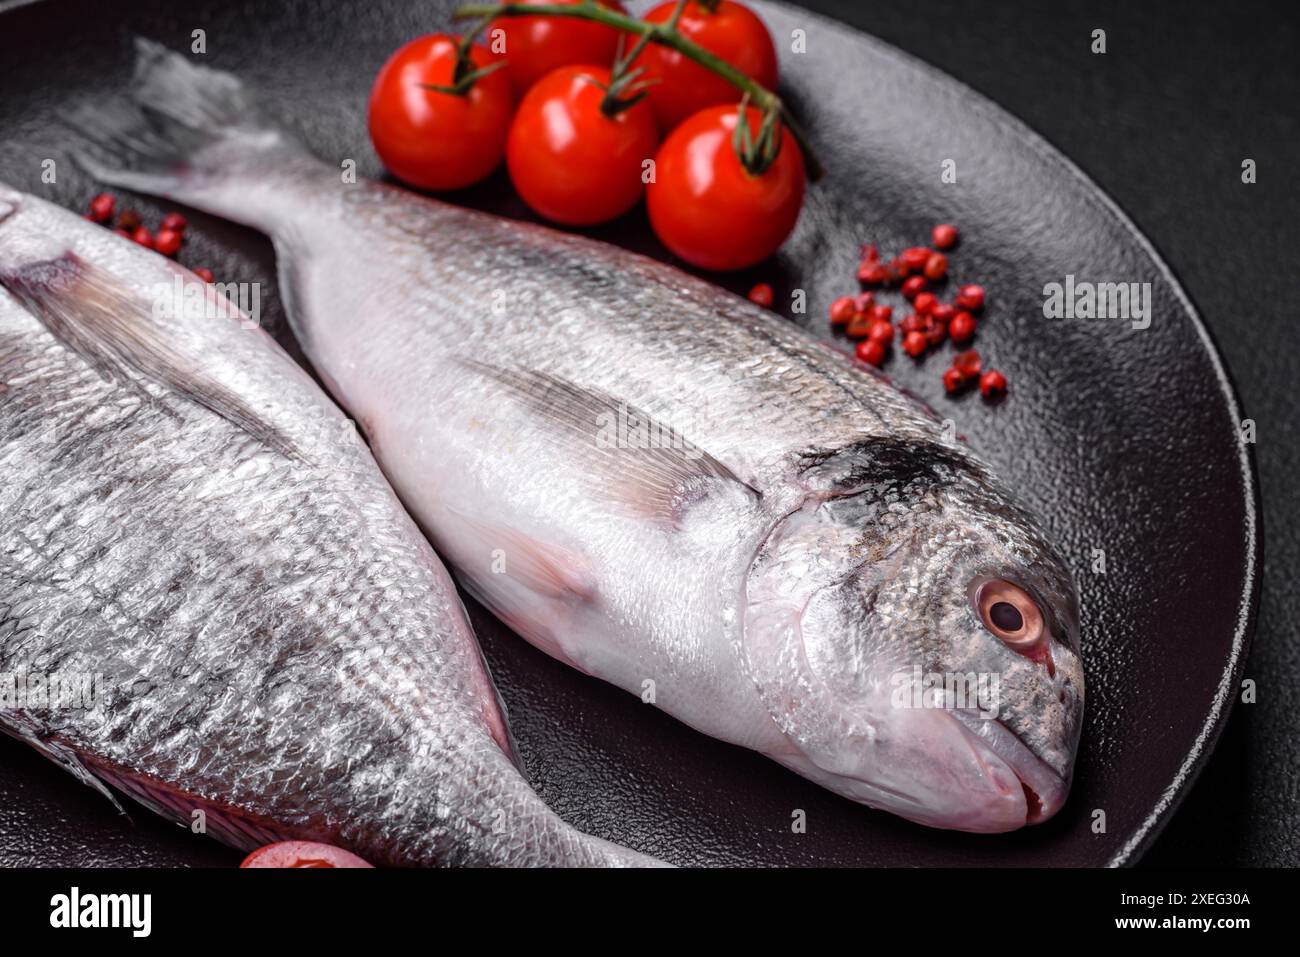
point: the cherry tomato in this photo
(436, 140)
(534, 46)
(732, 32)
(302, 854)
(708, 208)
(571, 162)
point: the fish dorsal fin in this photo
(643, 463)
(113, 330)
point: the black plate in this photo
(1148, 467)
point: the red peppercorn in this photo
(914, 258)
(173, 221)
(143, 237)
(871, 352)
(863, 301)
(936, 267)
(204, 274)
(968, 362)
(913, 287)
(881, 331)
(760, 295)
(842, 310)
(914, 344)
(870, 253)
(101, 208)
(992, 383)
(924, 302)
(944, 236)
(954, 380)
(934, 332)
(943, 312)
(858, 326)
(129, 220)
(962, 327)
(896, 270)
(970, 298)
(168, 242)
(913, 323)
(873, 274)
(882, 313)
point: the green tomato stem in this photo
(665, 34)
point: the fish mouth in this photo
(1045, 789)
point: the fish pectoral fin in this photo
(644, 464)
(115, 332)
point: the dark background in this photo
(1162, 122)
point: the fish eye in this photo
(1011, 614)
(1006, 617)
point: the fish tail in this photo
(190, 133)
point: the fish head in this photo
(915, 640)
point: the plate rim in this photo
(1223, 700)
(1248, 602)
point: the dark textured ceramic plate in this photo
(1146, 468)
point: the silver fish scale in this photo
(207, 622)
(277, 643)
(711, 365)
